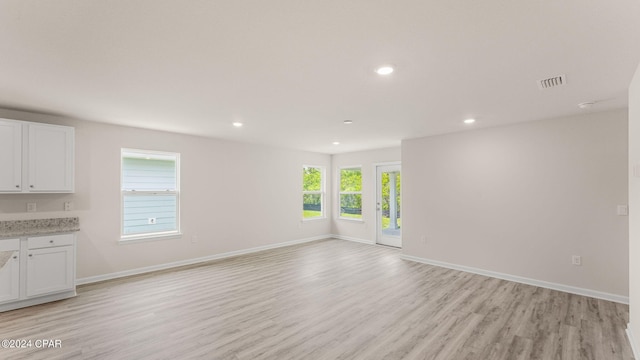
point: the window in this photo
(150, 194)
(351, 193)
(312, 192)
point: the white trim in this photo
(523, 280)
(314, 219)
(143, 154)
(631, 338)
(354, 239)
(350, 219)
(387, 163)
(132, 239)
(147, 269)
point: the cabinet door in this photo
(50, 158)
(50, 270)
(9, 270)
(10, 156)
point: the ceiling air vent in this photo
(552, 82)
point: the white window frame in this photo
(323, 180)
(340, 193)
(160, 235)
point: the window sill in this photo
(351, 219)
(314, 219)
(132, 239)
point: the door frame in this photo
(379, 238)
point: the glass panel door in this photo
(388, 203)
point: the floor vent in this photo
(552, 82)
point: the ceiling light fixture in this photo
(237, 124)
(336, 143)
(469, 121)
(348, 122)
(384, 70)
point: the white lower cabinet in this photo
(9, 270)
(41, 269)
(49, 270)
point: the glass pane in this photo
(391, 220)
(351, 206)
(149, 213)
(351, 179)
(148, 174)
(311, 205)
(311, 179)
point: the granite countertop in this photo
(17, 228)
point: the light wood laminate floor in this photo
(329, 299)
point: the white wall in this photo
(634, 210)
(522, 199)
(234, 196)
(364, 230)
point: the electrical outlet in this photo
(576, 260)
(194, 239)
(31, 207)
(151, 221)
(623, 210)
(67, 206)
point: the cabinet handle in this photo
(15, 256)
(17, 186)
(30, 255)
(51, 241)
(31, 186)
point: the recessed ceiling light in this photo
(384, 70)
(469, 121)
(348, 122)
(237, 124)
(336, 143)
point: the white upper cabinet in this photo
(50, 158)
(36, 157)
(10, 156)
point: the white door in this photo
(388, 212)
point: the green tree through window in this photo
(386, 198)
(312, 192)
(351, 193)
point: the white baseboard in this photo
(349, 238)
(544, 284)
(632, 341)
(147, 269)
